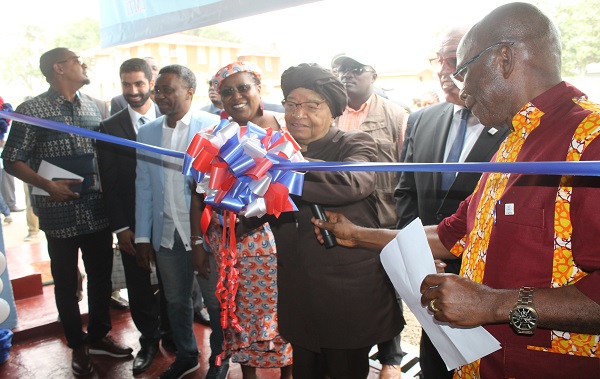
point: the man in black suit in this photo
(431, 133)
(117, 173)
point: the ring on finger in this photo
(432, 306)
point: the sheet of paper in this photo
(407, 260)
(50, 171)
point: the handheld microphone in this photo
(328, 237)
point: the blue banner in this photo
(124, 21)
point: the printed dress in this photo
(257, 343)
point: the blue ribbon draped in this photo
(581, 168)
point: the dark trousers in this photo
(331, 363)
(143, 303)
(390, 352)
(97, 255)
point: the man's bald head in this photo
(508, 75)
(523, 23)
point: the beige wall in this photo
(204, 61)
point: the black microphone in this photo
(328, 237)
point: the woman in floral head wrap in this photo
(258, 343)
(239, 86)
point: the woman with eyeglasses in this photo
(334, 303)
(258, 343)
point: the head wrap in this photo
(234, 68)
(314, 77)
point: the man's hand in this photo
(200, 261)
(339, 225)
(127, 241)
(144, 255)
(460, 301)
(60, 190)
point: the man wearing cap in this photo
(385, 122)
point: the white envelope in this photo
(407, 259)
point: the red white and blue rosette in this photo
(234, 167)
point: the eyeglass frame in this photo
(355, 71)
(461, 84)
(439, 62)
(301, 105)
(75, 57)
(242, 88)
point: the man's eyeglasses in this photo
(458, 77)
(227, 92)
(307, 106)
(355, 70)
(438, 62)
(73, 58)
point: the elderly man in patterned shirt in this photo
(72, 213)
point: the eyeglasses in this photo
(307, 106)
(227, 92)
(458, 77)
(438, 62)
(355, 70)
(73, 58)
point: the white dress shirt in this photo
(474, 129)
(176, 212)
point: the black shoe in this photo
(180, 368)
(108, 346)
(81, 363)
(144, 358)
(218, 372)
(202, 317)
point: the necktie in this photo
(455, 149)
(142, 120)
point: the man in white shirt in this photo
(162, 202)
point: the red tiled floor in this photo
(39, 351)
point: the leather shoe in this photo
(81, 363)
(202, 317)
(180, 368)
(390, 372)
(218, 372)
(144, 358)
(108, 346)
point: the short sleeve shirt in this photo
(32, 144)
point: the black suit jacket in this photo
(117, 103)
(418, 194)
(117, 170)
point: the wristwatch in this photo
(523, 317)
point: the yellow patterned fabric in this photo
(474, 257)
(565, 271)
(473, 263)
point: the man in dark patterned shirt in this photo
(72, 214)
